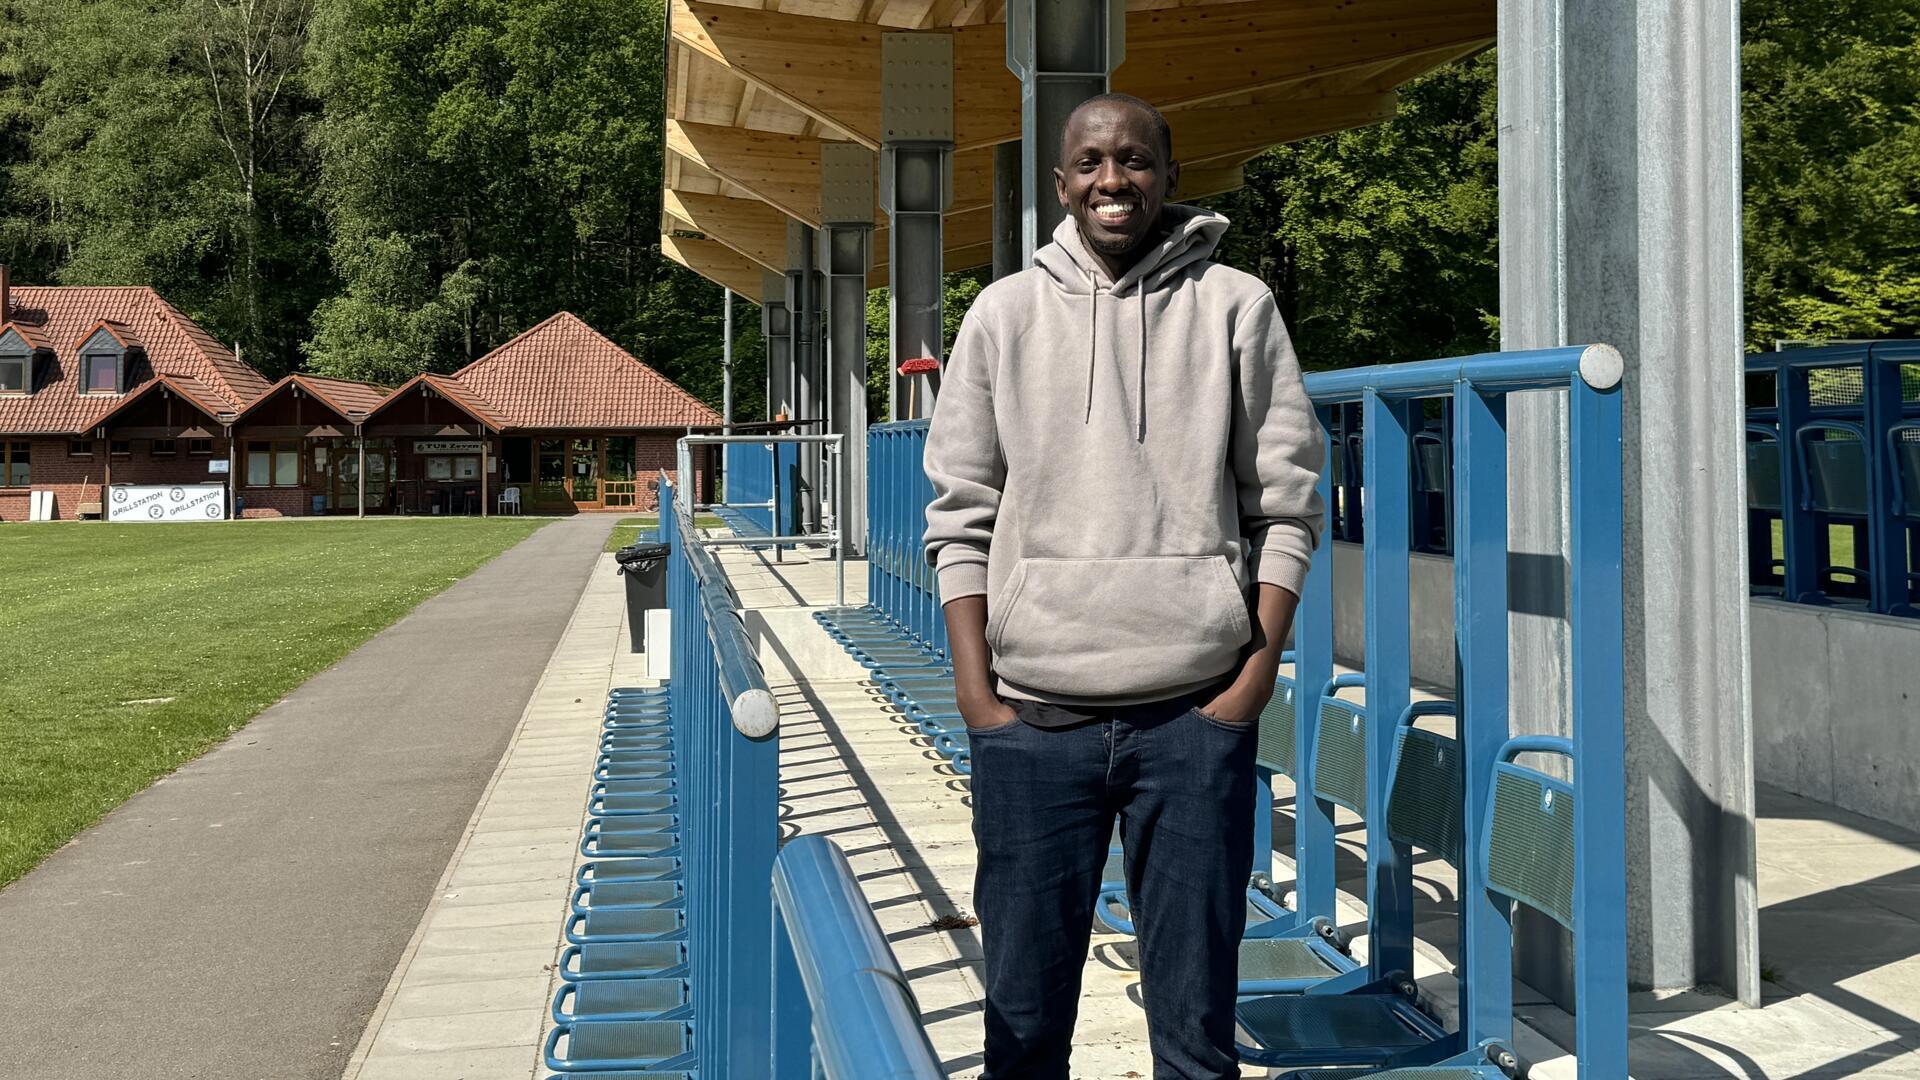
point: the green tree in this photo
(1831, 123)
(157, 144)
(1381, 243)
(485, 164)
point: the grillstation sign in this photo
(167, 502)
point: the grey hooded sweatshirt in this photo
(1115, 463)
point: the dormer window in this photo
(103, 362)
(102, 373)
(16, 362)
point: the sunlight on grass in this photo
(134, 648)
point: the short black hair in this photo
(1154, 119)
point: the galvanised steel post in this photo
(803, 300)
(1006, 210)
(846, 209)
(1620, 222)
(726, 362)
(776, 326)
(1063, 52)
(916, 185)
(1388, 602)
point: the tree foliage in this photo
(1381, 243)
(1831, 123)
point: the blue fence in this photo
(1514, 833)
(762, 492)
(1833, 475)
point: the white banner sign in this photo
(167, 502)
(451, 446)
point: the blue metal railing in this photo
(843, 1003)
(762, 487)
(1374, 417)
(1833, 453)
(727, 748)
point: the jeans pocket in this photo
(1216, 722)
(994, 730)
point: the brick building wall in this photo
(81, 479)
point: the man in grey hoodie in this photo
(1124, 465)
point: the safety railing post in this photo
(1597, 532)
(1313, 837)
(1479, 534)
(1388, 603)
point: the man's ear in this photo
(1060, 186)
(1173, 179)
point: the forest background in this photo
(374, 188)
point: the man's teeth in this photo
(1115, 211)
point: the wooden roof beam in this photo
(1248, 46)
(716, 262)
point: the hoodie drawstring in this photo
(1093, 353)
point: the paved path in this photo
(469, 998)
(240, 918)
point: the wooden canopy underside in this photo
(753, 91)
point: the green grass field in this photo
(628, 530)
(132, 649)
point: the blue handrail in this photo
(842, 998)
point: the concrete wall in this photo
(1431, 635)
(1836, 707)
(1836, 693)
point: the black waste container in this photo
(644, 565)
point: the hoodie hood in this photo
(1192, 234)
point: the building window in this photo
(273, 464)
(13, 373)
(161, 448)
(120, 447)
(101, 373)
(15, 464)
(80, 448)
(453, 468)
(200, 447)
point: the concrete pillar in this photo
(1062, 51)
(1006, 210)
(916, 186)
(809, 363)
(1620, 222)
(846, 209)
(776, 326)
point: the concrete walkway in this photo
(469, 998)
(240, 918)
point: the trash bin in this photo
(644, 565)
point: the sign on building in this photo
(447, 446)
(167, 502)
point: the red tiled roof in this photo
(564, 374)
(352, 400)
(61, 317)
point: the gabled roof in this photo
(462, 397)
(190, 389)
(116, 330)
(562, 373)
(26, 333)
(352, 400)
(60, 318)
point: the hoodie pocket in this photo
(1116, 628)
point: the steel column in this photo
(846, 208)
(916, 186)
(1620, 222)
(1006, 210)
(1389, 614)
(803, 302)
(776, 326)
(726, 361)
(1063, 52)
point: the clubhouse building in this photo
(107, 392)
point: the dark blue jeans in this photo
(1044, 803)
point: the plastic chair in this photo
(509, 498)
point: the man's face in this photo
(1114, 176)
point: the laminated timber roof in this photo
(754, 87)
